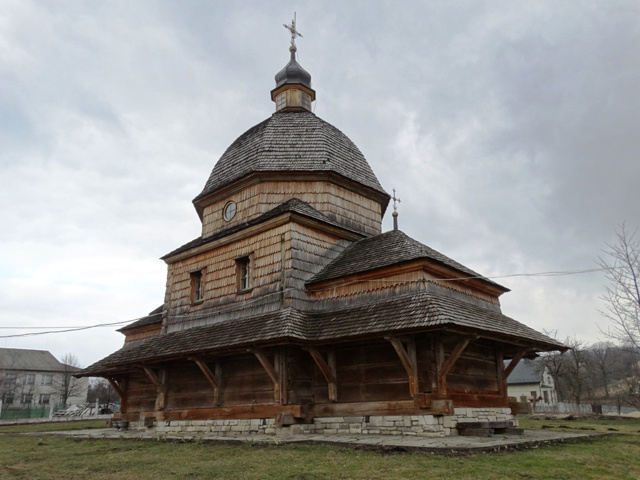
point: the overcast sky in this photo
(510, 130)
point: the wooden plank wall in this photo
(388, 281)
(311, 251)
(339, 204)
(141, 393)
(475, 371)
(220, 290)
(187, 387)
(366, 372)
(143, 332)
(306, 252)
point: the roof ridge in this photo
(292, 205)
(383, 250)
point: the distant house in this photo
(35, 378)
(531, 382)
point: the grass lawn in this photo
(54, 426)
(47, 457)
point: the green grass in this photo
(52, 457)
(54, 426)
(582, 423)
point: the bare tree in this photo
(67, 385)
(576, 371)
(101, 390)
(621, 264)
(603, 361)
(8, 378)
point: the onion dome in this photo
(293, 73)
(293, 90)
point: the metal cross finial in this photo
(292, 29)
(395, 201)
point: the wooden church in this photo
(294, 313)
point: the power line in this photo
(63, 329)
(67, 329)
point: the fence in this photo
(584, 408)
(14, 413)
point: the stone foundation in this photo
(418, 425)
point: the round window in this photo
(229, 211)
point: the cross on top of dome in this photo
(292, 28)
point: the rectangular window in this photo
(197, 286)
(27, 398)
(243, 273)
(45, 398)
(8, 399)
(10, 379)
(546, 396)
(29, 379)
(47, 379)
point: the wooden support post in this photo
(271, 371)
(280, 362)
(514, 362)
(502, 384)
(213, 378)
(159, 381)
(446, 365)
(328, 369)
(409, 361)
(121, 389)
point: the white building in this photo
(35, 378)
(531, 382)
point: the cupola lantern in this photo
(293, 83)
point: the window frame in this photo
(29, 379)
(229, 210)
(196, 278)
(45, 377)
(27, 398)
(45, 399)
(244, 273)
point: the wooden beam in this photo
(160, 383)
(514, 362)
(502, 384)
(280, 362)
(328, 369)
(153, 377)
(121, 390)
(446, 365)
(271, 371)
(213, 378)
(409, 361)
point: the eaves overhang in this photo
(255, 178)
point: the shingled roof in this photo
(389, 248)
(293, 205)
(291, 142)
(400, 313)
(154, 316)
